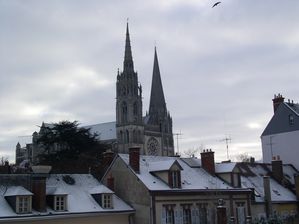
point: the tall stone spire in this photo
(157, 107)
(128, 60)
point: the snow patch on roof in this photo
(224, 167)
(191, 178)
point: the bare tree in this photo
(243, 157)
(192, 152)
(3, 160)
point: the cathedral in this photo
(152, 132)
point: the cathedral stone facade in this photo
(152, 133)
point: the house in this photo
(273, 185)
(174, 190)
(281, 135)
(59, 198)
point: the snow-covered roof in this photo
(224, 167)
(162, 165)
(252, 177)
(79, 196)
(192, 162)
(16, 191)
(191, 178)
(105, 131)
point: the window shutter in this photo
(179, 179)
(176, 216)
(170, 179)
(181, 215)
(163, 218)
(241, 214)
(194, 215)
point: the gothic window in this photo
(124, 112)
(127, 137)
(135, 109)
(139, 137)
(121, 136)
(134, 136)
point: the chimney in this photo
(39, 176)
(278, 99)
(207, 161)
(296, 177)
(277, 169)
(108, 158)
(134, 157)
(110, 182)
(267, 193)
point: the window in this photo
(107, 201)
(291, 119)
(169, 215)
(124, 112)
(174, 179)
(203, 214)
(240, 212)
(186, 214)
(60, 203)
(135, 109)
(23, 204)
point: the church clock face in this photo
(152, 146)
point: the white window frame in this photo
(107, 201)
(60, 203)
(23, 204)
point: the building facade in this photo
(281, 135)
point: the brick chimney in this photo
(278, 99)
(110, 182)
(134, 158)
(39, 176)
(208, 161)
(107, 158)
(277, 169)
(267, 193)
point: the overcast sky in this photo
(220, 66)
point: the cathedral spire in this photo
(157, 100)
(128, 60)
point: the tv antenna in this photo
(177, 135)
(227, 140)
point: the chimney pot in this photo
(134, 158)
(208, 161)
(277, 101)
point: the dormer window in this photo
(23, 204)
(107, 201)
(174, 178)
(291, 119)
(60, 203)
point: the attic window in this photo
(60, 203)
(174, 178)
(107, 201)
(291, 119)
(23, 204)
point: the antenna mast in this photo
(177, 140)
(227, 140)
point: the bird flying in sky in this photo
(217, 3)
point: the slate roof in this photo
(224, 167)
(105, 131)
(252, 177)
(79, 197)
(279, 122)
(191, 178)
